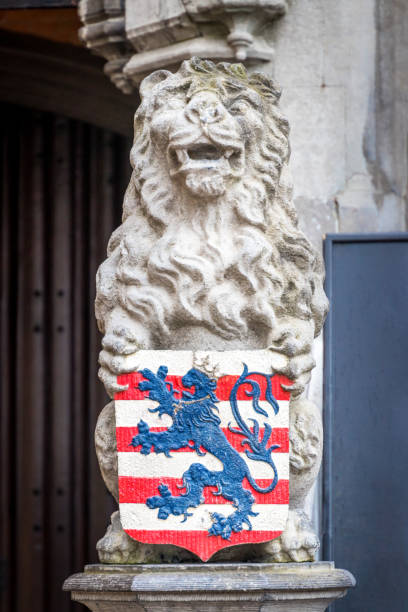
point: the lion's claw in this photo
(143, 438)
(221, 526)
(109, 380)
(224, 525)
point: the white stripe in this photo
(228, 362)
(178, 362)
(154, 466)
(231, 362)
(138, 516)
(129, 413)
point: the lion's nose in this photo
(205, 108)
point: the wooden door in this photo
(62, 184)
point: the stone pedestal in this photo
(210, 587)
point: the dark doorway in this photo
(366, 418)
(62, 184)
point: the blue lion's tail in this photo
(259, 489)
(258, 449)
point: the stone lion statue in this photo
(209, 256)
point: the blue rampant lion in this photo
(196, 425)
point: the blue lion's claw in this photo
(164, 490)
(221, 526)
(143, 438)
(162, 372)
(163, 512)
(143, 427)
(145, 385)
(186, 515)
(224, 525)
(248, 523)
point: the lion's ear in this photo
(150, 81)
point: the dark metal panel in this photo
(366, 386)
(62, 190)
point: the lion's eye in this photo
(239, 108)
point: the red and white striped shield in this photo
(203, 450)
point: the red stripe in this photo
(224, 387)
(199, 542)
(136, 490)
(280, 435)
(226, 383)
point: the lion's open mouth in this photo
(203, 151)
(205, 156)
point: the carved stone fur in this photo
(209, 256)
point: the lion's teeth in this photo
(182, 155)
(228, 152)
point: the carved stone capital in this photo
(138, 37)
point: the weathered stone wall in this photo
(343, 69)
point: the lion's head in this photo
(203, 125)
(203, 131)
(209, 234)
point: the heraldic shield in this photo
(203, 449)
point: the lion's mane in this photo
(273, 273)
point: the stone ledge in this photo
(291, 586)
(138, 37)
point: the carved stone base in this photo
(281, 587)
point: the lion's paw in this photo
(117, 547)
(297, 543)
(119, 355)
